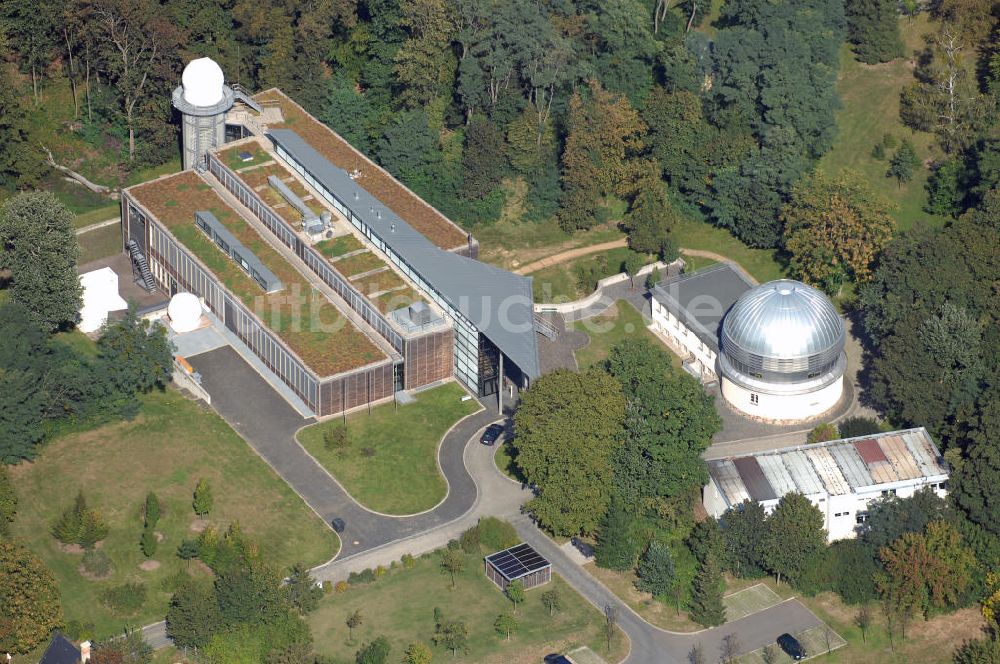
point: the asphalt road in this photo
(266, 421)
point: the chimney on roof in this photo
(85, 652)
(379, 214)
(392, 227)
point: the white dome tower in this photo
(202, 99)
(782, 353)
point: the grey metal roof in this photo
(701, 299)
(499, 303)
(783, 326)
(246, 259)
(835, 467)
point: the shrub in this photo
(889, 141)
(878, 152)
(79, 631)
(364, 576)
(341, 587)
(454, 545)
(96, 563)
(151, 510)
(858, 426)
(470, 540)
(368, 452)
(127, 598)
(202, 500)
(327, 587)
(822, 433)
(408, 561)
(336, 438)
(188, 549)
(496, 534)
(80, 525)
(380, 571)
(173, 582)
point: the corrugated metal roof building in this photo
(840, 477)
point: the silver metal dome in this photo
(782, 332)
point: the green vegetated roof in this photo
(312, 326)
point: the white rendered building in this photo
(100, 297)
(782, 356)
(840, 477)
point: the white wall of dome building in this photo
(782, 407)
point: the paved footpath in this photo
(476, 488)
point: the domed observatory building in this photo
(202, 99)
(782, 353)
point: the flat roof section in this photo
(418, 213)
(836, 467)
(701, 299)
(325, 339)
(517, 562)
(499, 303)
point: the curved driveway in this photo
(268, 423)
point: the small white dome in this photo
(184, 312)
(202, 81)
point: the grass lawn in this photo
(618, 323)
(505, 460)
(339, 245)
(870, 109)
(475, 601)
(391, 463)
(559, 282)
(172, 444)
(99, 243)
(97, 215)
(763, 264)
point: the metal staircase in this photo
(140, 267)
(243, 95)
(545, 327)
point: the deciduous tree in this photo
(29, 599)
(873, 29)
(38, 246)
(193, 616)
(515, 593)
(795, 535)
(505, 624)
(452, 563)
(566, 429)
(834, 229)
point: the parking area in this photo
(816, 641)
(749, 600)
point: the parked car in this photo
(492, 433)
(338, 525)
(791, 646)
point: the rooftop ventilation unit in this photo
(308, 216)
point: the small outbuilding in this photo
(518, 563)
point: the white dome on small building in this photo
(203, 82)
(782, 352)
(184, 312)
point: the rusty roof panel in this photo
(851, 464)
(828, 471)
(753, 479)
(899, 456)
(869, 450)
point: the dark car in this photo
(491, 434)
(338, 525)
(792, 647)
(556, 659)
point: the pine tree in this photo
(903, 163)
(203, 501)
(616, 548)
(656, 569)
(706, 595)
(148, 542)
(151, 512)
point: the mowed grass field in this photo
(559, 283)
(619, 322)
(870, 109)
(390, 465)
(400, 606)
(166, 449)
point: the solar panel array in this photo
(837, 467)
(517, 561)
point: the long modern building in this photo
(841, 477)
(278, 210)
